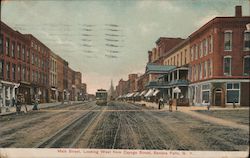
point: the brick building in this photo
(60, 77)
(132, 82)
(163, 45)
(53, 91)
(219, 61)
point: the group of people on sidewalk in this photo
(170, 103)
(20, 101)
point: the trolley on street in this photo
(101, 97)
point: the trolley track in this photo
(65, 137)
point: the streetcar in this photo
(101, 97)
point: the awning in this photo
(136, 94)
(130, 95)
(156, 92)
(143, 93)
(149, 93)
(53, 89)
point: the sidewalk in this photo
(191, 111)
(11, 110)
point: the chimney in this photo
(238, 11)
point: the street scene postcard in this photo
(124, 78)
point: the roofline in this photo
(213, 21)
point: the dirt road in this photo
(118, 126)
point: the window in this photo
(1, 69)
(28, 55)
(23, 53)
(200, 72)
(7, 46)
(196, 51)
(227, 65)
(209, 67)
(13, 71)
(23, 74)
(18, 51)
(233, 93)
(205, 93)
(205, 47)
(18, 72)
(13, 49)
(201, 49)
(228, 40)
(205, 69)
(210, 44)
(192, 53)
(32, 58)
(247, 65)
(1, 43)
(247, 40)
(8, 70)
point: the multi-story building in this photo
(53, 91)
(78, 81)
(132, 82)
(178, 55)
(219, 61)
(163, 45)
(11, 43)
(38, 69)
(60, 77)
(122, 87)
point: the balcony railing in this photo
(164, 84)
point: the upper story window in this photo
(23, 53)
(7, 46)
(13, 49)
(1, 43)
(204, 47)
(201, 49)
(247, 65)
(247, 40)
(228, 40)
(210, 44)
(227, 65)
(18, 51)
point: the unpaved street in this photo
(118, 126)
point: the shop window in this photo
(247, 40)
(227, 65)
(233, 93)
(205, 93)
(228, 40)
(247, 65)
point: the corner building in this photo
(219, 68)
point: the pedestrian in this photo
(35, 107)
(170, 104)
(160, 103)
(208, 107)
(13, 101)
(18, 104)
(234, 101)
(25, 104)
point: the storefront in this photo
(8, 91)
(219, 93)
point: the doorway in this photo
(218, 97)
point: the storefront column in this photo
(178, 74)
(4, 96)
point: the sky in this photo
(108, 39)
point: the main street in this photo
(119, 125)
